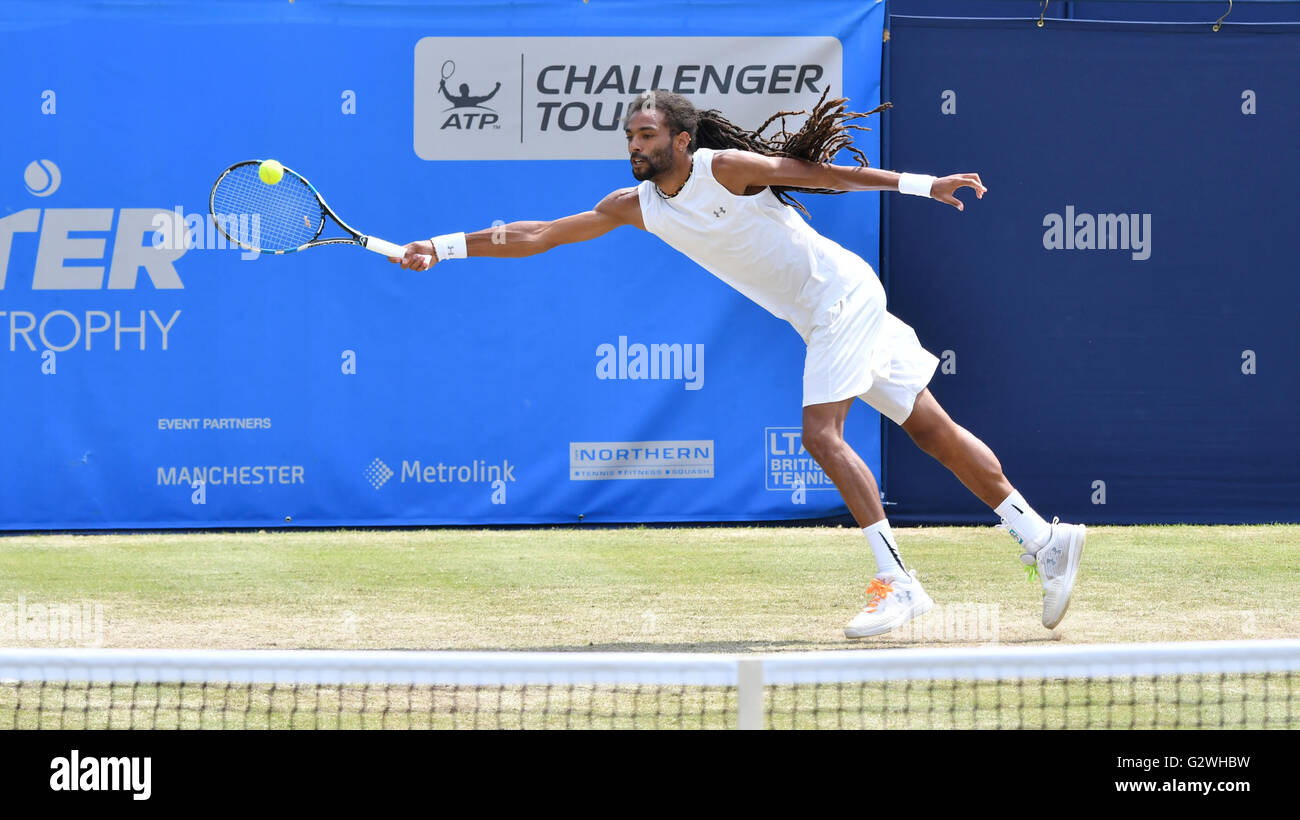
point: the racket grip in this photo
(374, 243)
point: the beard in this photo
(653, 165)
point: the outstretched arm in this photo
(746, 172)
(529, 238)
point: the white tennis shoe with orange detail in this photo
(892, 602)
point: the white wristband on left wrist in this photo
(915, 184)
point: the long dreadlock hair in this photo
(826, 132)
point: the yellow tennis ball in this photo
(270, 171)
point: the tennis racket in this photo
(285, 217)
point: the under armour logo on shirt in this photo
(719, 212)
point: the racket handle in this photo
(374, 243)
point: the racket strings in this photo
(264, 217)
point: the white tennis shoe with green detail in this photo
(891, 603)
(1057, 565)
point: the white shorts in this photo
(867, 352)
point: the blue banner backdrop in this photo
(144, 383)
(1146, 11)
(1117, 317)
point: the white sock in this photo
(881, 538)
(1027, 526)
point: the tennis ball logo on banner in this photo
(483, 98)
(42, 177)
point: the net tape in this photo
(1202, 685)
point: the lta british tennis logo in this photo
(789, 465)
(467, 110)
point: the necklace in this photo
(662, 195)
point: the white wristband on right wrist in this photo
(915, 184)
(450, 246)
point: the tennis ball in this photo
(270, 171)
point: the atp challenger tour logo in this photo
(565, 97)
(467, 110)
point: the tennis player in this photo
(721, 195)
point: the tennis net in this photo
(1227, 684)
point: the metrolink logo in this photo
(478, 471)
(669, 361)
(1085, 232)
(378, 473)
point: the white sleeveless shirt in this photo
(758, 245)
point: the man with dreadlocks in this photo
(721, 195)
